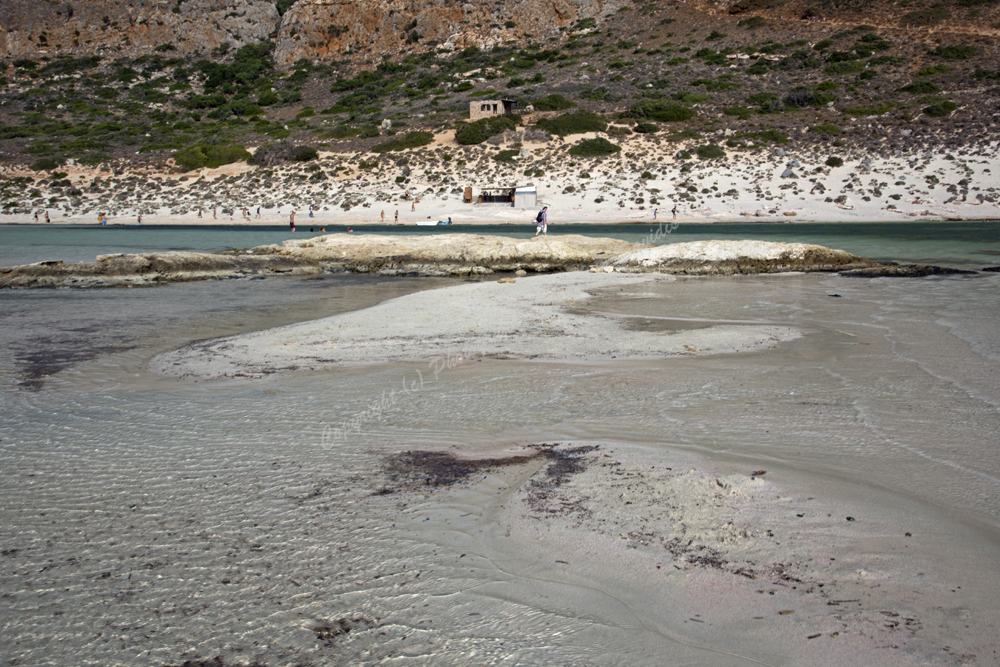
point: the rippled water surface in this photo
(147, 520)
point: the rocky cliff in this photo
(306, 29)
(33, 29)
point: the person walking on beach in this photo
(383, 215)
(291, 221)
(47, 217)
(655, 211)
(674, 211)
(397, 216)
(413, 206)
(215, 213)
(542, 222)
(138, 219)
(36, 216)
(258, 211)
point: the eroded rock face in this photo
(150, 269)
(731, 257)
(454, 254)
(442, 255)
(131, 27)
(317, 28)
(308, 29)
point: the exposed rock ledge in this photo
(438, 255)
(733, 257)
(452, 254)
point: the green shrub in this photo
(506, 155)
(46, 164)
(826, 128)
(647, 128)
(752, 23)
(925, 17)
(878, 109)
(933, 70)
(481, 130)
(714, 35)
(554, 102)
(663, 112)
(823, 44)
(941, 109)
(575, 123)
(834, 162)
(685, 97)
(828, 85)
(209, 155)
(464, 86)
(955, 52)
(845, 68)
(683, 135)
(769, 136)
(595, 148)
(920, 88)
(710, 152)
(757, 69)
(305, 154)
(408, 140)
(743, 113)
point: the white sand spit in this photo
(526, 320)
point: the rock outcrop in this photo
(317, 28)
(731, 257)
(454, 255)
(308, 29)
(440, 255)
(131, 27)
(151, 269)
(723, 258)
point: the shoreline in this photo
(273, 221)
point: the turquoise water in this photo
(968, 245)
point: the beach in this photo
(778, 469)
(764, 183)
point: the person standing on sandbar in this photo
(291, 221)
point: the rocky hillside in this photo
(192, 83)
(302, 29)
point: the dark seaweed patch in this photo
(423, 468)
(50, 357)
(435, 469)
(217, 661)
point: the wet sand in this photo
(827, 499)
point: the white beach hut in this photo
(525, 197)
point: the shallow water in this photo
(967, 245)
(146, 520)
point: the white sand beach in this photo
(766, 183)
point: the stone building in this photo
(479, 109)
